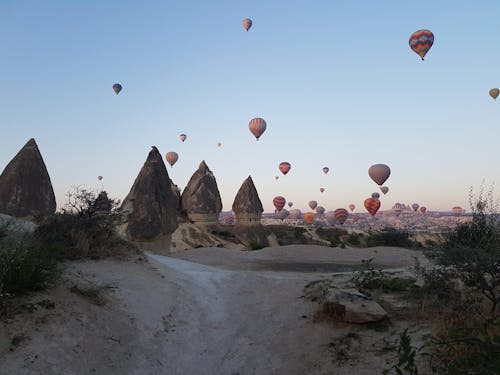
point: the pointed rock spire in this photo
(247, 206)
(201, 199)
(25, 187)
(152, 203)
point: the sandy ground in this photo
(215, 311)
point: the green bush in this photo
(376, 279)
(390, 237)
(353, 239)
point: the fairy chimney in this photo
(25, 187)
(151, 207)
(201, 199)
(247, 206)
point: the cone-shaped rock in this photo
(103, 203)
(25, 187)
(201, 199)
(247, 206)
(151, 206)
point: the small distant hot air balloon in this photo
(372, 205)
(457, 210)
(295, 214)
(219, 144)
(257, 126)
(376, 195)
(276, 178)
(117, 88)
(182, 137)
(421, 42)
(228, 219)
(284, 167)
(352, 207)
(290, 204)
(282, 214)
(326, 170)
(308, 217)
(341, 215)
(384, 189)
(423, 209)
(494, 93)
(320, 210)
(313, 204)
(279, 202)
(321, 190)
(247, 24)
(379, 173)
(397, 208)
(172, 158)
(415, 206)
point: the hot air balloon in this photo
(326, 170)
(284, 167)
(321, 190)
(494, 93)
(384, 189)
(415, 206)
(376, 195)
(423, 209)
(397, 208)
(341, 215)
(421, 42)
(117, 88)
(308, 217)
(171, 157)
(290, 204)
(330, 217)
(219, 144)
(276, 178)
(279, 202)
(282, 214)
(457, 211)
(313, 204)
(99, 178)
(228, 219)
(372, 205)
(247, 24)
(320, 210)
(257, 126)
(182, 137)
(295, 214)
(352, 207)
(379, 173)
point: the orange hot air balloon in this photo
(352, 207)
(257, 126)
(182, 137)
(372, 205)
(421, 42)
(321, 190)
(284, 167)
(308, 217)
(172, 158)
(384, 189)
(423, 209)
(379, 173)
(313, 204)
(341, 215)
(279, 202)
(247, 24)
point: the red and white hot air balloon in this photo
(257, 126)
(279, 202)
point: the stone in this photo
(151, 208)
(103, 203)
(247, 206)
(200, 200)
(351, 306)
(25, 187)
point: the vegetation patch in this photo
(376, 279)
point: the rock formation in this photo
(248, 209)
(201, 199)
(151, 207)
(25, 187)
(103, 203)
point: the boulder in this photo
(247, 206)
(351, 306)
(200, 199)
(25, 187)
(152, 205)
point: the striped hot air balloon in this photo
(372, 205)
(284, 167)
(421, 42)
(341, 215)
(279, 202)
(257, 126)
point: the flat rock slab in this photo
(351, 306)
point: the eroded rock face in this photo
(25, 187)
(247, 206)
(201, 199)
(151, 207)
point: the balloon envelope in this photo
(308, 217)
(379, 173)
(415, 206)
(313, 204)
(117, 88)
(457, 210)
(421, 42)
(320, 210)
(494, 93)
(172, 158)
(279, 202)
(276, 178)
(247, 24)
(321, 190)
(376, 195)
(284, 167)
(326, 170)
(257, 126)
(372, 205)
(99, 178)
(290, 204)
(384, 189)
(295, 214)
(341, 215)
(182, 137)
(352, 207)
(219, 144)
(423, 209)
(282, 214)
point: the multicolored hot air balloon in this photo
(494, 93)
(341, 215)
(257, 126)
(372, 205)
(321, 190)
(320, 210)
(421, 42)
(375, 195)
(352, 207)
(182, 137)
(284, 167)
(423, 209)
(290, 204)
(279, 202)
(326, 170)
(379, 173)
(117, 88)
(415, 206)
(247, 24)
(308, 218)
(384, 189)
(172, 158)
(313, 204)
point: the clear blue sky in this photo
(336, 82)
